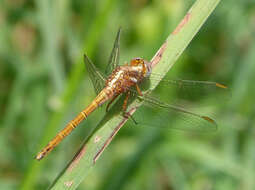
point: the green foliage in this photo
(44, 84)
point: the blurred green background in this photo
(44, 84)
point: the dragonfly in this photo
(125, 80)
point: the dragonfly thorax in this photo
(123, 77)
(145, 65)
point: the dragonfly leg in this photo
(127, 115)
(124, 106)
(108, 105)
(138, 90)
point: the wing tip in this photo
(221, 85)
(120, 28)
(210, 120)
(118, 36)
(85, 56)
(86, 60)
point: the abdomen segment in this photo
(100, 99)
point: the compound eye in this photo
(139, 60)
(136, 61)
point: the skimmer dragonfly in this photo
(126, 79)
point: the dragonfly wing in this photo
(192, 90)
(163, 115)
(95, 75)
(114, 57)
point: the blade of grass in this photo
(248, 163)
(14, 106)
(239, 98)
(50, 33)
(70, 89)
(204, 154)
(119, 177)
(174, 171)
(79, 167)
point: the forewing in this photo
(95, 75)
(193, 91)
(114, 57)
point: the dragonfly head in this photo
(141, 62)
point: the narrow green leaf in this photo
(72, 84)
(164, 59)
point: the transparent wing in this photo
(95, 75)
(155, 113)
(163, 115)
(191, 90)
(114, 57)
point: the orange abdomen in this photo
(102, 97)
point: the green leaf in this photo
(163, 60)
(71, 86)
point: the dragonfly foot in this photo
(127, 115)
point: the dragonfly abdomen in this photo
(102, 97)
